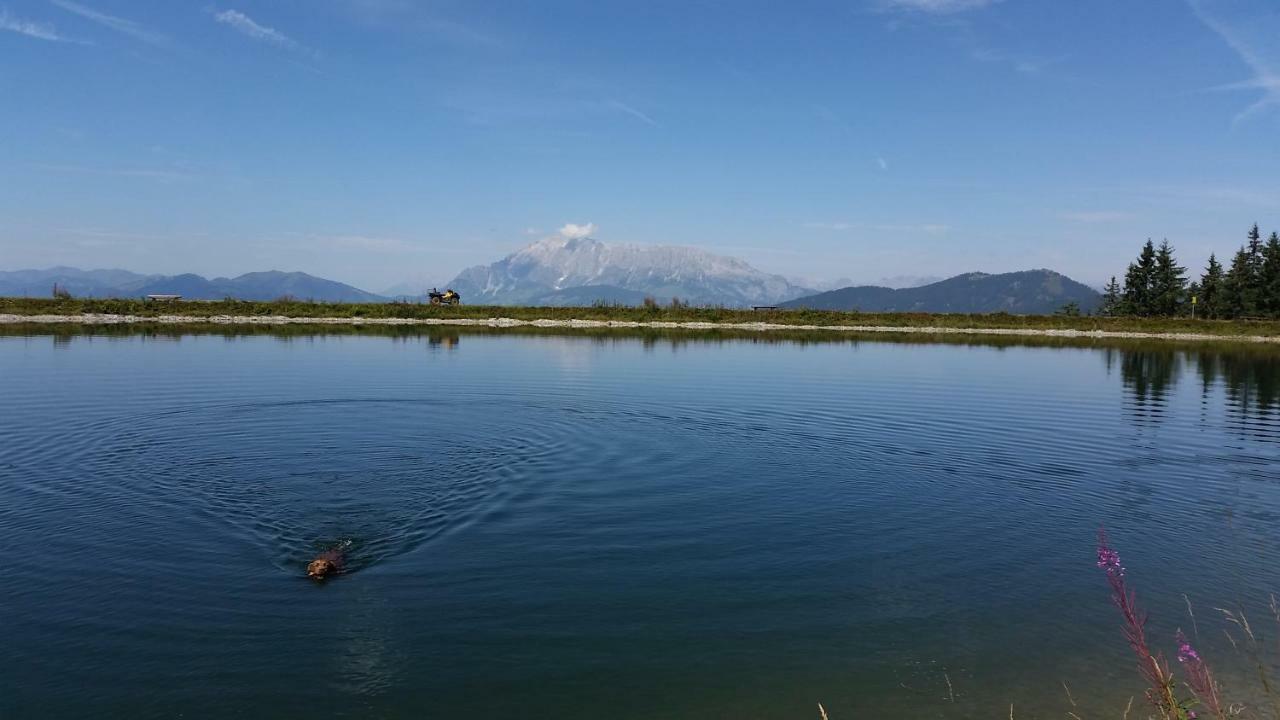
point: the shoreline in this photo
(501, 322)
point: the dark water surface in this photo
(569, 527)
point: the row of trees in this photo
(1156, 285)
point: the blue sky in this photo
(374, 141)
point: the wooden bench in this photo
(764, 307)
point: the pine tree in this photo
(1211, 290)
(1134, 293)
(1255, 242)
(1138, 280)
(1168, 283)
(1271, 275)
(1111, 299)
(1236, 299)
(1252, 295)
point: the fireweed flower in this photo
(1198, 677)
(1151, 665)
(1185, 651)
(1109, 559)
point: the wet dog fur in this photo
(328, 563)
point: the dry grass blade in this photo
(1069, 698)
(1195, 630)
(1239, 620)
(1255, 651)
(1128, 707)
(822, 712)
(951, 693)
(1275, 613)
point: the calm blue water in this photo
(565, 527)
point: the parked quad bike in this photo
(448, 297)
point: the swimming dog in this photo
(329, 563)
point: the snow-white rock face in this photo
(536, 273)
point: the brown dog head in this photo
(321, 568)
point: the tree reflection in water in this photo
(1249, 379)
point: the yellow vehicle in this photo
(448, 297)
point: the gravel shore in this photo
(499, 322)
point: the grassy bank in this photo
(291, 308)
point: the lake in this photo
(560, 526)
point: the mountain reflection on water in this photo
(1249, 372)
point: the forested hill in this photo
(1030, 292)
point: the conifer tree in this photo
(1271, 275)
(1254, 245)
(1252, 298)
(1236, 297)
(1211, 290)
(1168, 283)
(1111, 298)
(1138, 280)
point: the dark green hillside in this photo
(1030, 292)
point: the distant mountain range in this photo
(569, 272)
(1030, 292)
(122, 283)
(575, 271)
(81, 283)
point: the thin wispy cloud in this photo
(40, 31)
(100, 233)
(1096, 216)
(831, 117)
(1265, 68)
(625, 108)
(118, 24)
(966, 35)
(493, 107)
(114, 240)
(1024, 64)
(412, 17)
(882, 163)
(248, 27)
(366, 243)
(141, 173)
(927, 228)
(937, 7)
(1265, 196)
(459, 33)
